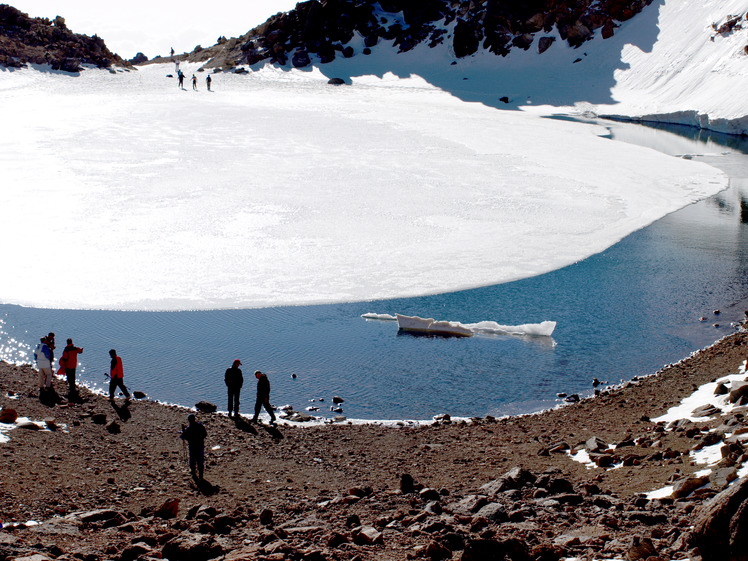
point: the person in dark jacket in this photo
(263, 397)
(195, 434)
(234, 382)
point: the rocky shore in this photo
(96, 480)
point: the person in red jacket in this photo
(117, 376)
(69, 361)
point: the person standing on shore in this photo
(69, 361)
(234, 382)
(117, 376)
(195, 434)
(263, 397)
(43, 356)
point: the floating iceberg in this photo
(430, 326)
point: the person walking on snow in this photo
(180, 78)
(117, 376)
(263, 397)
(234, 382)
(208, 80)
(69, 362)
(195, 434)
(43, 356)
(194, 82)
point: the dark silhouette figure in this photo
(263, 397)
(234, 382)
(208, 80)
(194, 82)
(195, 434)
(180, 78)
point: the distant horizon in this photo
(168, 25)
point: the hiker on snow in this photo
(195, 434)
(234, 382)
(263, 397)
(117, 376)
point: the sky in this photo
(153, 28)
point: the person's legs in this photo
(269, 409)
(193, 463)
(231, 399)
(258, 406)
(200, 463)
(70, 373)
(47, 377)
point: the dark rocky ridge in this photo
(26, 40)
(323, 27)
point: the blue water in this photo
(624, 312)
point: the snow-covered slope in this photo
(691, 74)
(122, 191)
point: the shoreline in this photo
(313, 476)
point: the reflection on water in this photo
(624, 312)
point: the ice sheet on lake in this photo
(279, 189)
(542, 329)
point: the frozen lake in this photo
(623, 312)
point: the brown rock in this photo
(367, 535)
(8, 415)
(641, 548)
(168, 509)
(717, 522)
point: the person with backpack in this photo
(44, 357)
(234, 381)
(195, 434)
(69, 361)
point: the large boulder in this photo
(720, 528)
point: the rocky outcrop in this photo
(25, 40)
(325, 27)
(721, 525)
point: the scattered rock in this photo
(206, 407)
